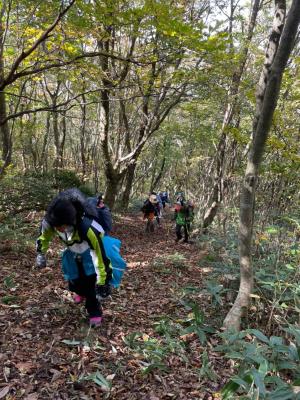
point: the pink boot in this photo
(78, 299)
(95, 321)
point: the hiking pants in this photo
(150, 223)
(150, 226)
(86, 286)
(186, 229)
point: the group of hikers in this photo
(183, 213)
(91, 261)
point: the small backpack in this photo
(103, 214)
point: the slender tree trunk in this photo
(262, 127)
(158, 177)
(56, 135)
(44, 159)
(217, 193)
(83, 136)
(129, 178)
(4, 128)
(33, 148)
(5, 135)
(63, 139)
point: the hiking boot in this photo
(78, 299)
(95, 321)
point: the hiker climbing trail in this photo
(47, 349)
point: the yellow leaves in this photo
(145, 337)
(254, 296)
(32, 32)
(261, 237)
(69, 48)
(275, 143)
(170, 33)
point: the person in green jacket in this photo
(184, 215)
(84, 262)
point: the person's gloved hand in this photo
(103, 291)
(41, 260)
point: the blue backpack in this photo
(111, 245)
(112, 250)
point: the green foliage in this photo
(87, 189)
(135, 205)
(177, 260)
(9, 281)
(206, 370)
(19, 193)
(34, 191)
(215, 291)
(154, 351)
(99, 380)
(261, 364)
(64, 179)
(9, 299)
(195, 321)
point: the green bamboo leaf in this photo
(259, 335)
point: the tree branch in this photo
(26, 53)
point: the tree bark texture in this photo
(129, 178)
(217, 192)
(4, 128)
(271, 93)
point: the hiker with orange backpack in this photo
(151, 210)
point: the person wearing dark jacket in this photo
(84, 262)
(150, 209)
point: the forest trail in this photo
(48, 351)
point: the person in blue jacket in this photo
(84, 262)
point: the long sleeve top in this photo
(87, 235)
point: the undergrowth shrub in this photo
(34, 191)
(265, 367)
(135, 205)
(22, 193)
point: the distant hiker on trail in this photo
(184, 215)
(150, 209)
(159, 207)
(103, 212)
(85, 264)
(164, 198)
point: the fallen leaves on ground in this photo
(49, 352)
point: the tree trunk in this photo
(63, 139)
(56, 164)
(83, 136)
(112, 188)
(157, 179)
(217, 193)
(271, 93)
(128, 186)
(5, 135)
(44, 158)
(4, 128)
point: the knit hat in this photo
(62, 212)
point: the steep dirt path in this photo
(48, 351)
